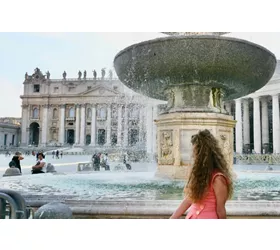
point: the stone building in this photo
(98, 112)
(9, 132)
(258, 128)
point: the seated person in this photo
(16, 160)
(40, 166)
(12, 170)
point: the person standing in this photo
(106, 161)
(96, 162)
(61, 153)
(210, 182)
(40, 166)
(57, 154)
(53, 154)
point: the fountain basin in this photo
(135, 186)
(186, 71)
(142, 195)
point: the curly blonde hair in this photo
(208, 157)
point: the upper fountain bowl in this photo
(236, 66)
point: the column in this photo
(109, 125)
(45, 125)
(78, 121)
(83, 125)
(61, 126)
(246, 122)
(257, 126)
(155, 111)
(24, 125)
(265, 126)
(125, 136)
(141, 124)
(119, 125)
(275, 124)
(149, 129)
(29, 135)
(93, 125)
(228, 108)
(238, 127)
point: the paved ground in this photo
(67, 164)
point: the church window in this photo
(36, 88)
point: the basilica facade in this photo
(98, 112)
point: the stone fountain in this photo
(194, 73)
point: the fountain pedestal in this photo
(174, 132)
(194, 74)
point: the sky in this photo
(57, 51)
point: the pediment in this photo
(101, 91)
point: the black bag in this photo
(12, 164)
(37, 171)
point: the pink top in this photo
(205, 209)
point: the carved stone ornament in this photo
(166, 150)
(37, 75)
(101, 91)
(101, 124)
(226, 148)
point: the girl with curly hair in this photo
(210, 182)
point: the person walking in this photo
(210, 182)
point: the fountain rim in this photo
(212, 37)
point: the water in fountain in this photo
(138, 184)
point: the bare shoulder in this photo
(220, 180)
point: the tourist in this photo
(40, 166)
(210, 181)
(15, 162)
(12, 170)
(105, 161)
(127, 165)
(61, 153)
(96, 162)
(57, 154)
(53, 154)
